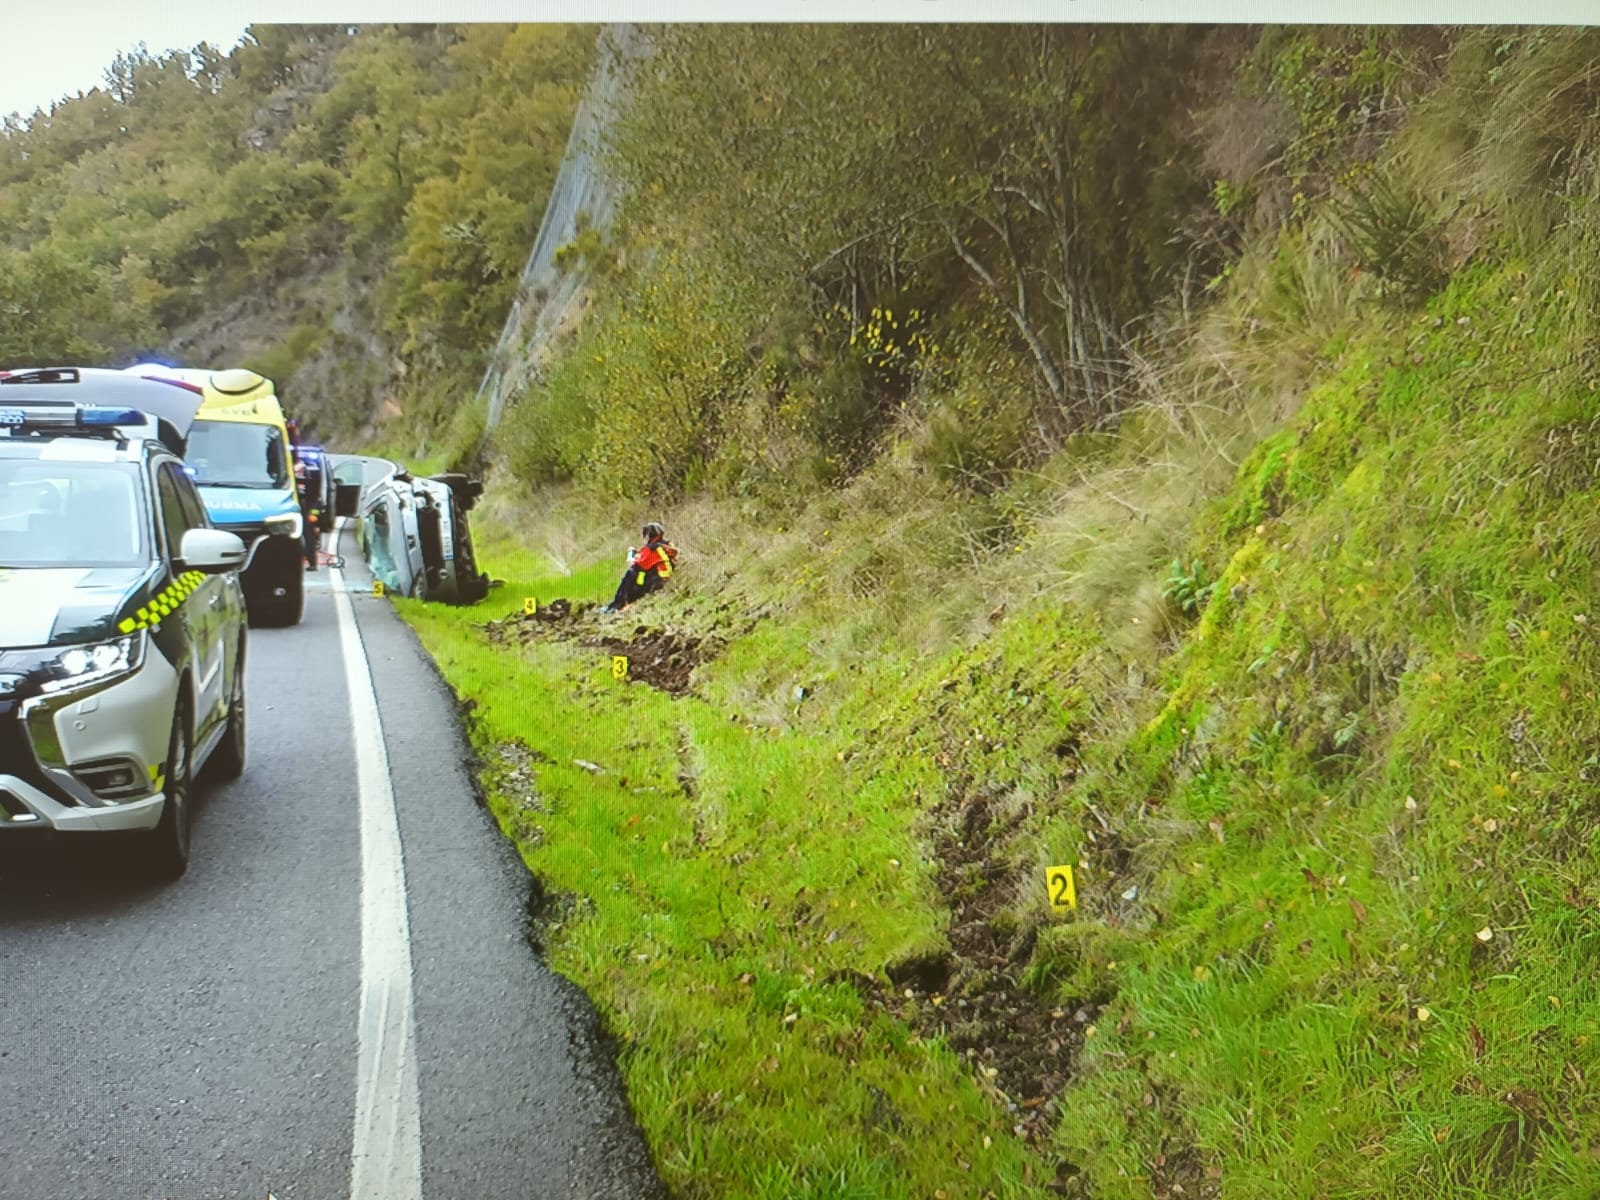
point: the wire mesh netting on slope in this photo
(583, 195)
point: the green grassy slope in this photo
(1339, 899)
(1362, 821)
(1294, 663)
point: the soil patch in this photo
(1022, 1048)
(554, 618)
(659, 657)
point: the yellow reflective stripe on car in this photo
(166, 602)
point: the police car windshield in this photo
(70, 514)
(237, 454)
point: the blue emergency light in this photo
(96, 415)
(70, 416)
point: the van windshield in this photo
(237, 454)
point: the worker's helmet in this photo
(654, 529)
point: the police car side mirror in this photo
(212, 551)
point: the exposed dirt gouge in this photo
(661, 658)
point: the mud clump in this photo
(556, 610)
(552, 618)
(659, 658)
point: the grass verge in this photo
(1319, 736)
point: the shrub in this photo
(280, 363)
(530, 440)
(1188, 588)
(976, 440)
(1395, 235)
(463, 448)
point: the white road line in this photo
(386, 1152)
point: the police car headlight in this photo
(288, 525)
(96, 663)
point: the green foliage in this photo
(281, 362)
(1396, 235)
(261, 203)
(978, 433)
(587, 251)
(308, 159)
(533, 438)
(1227, 196)
(1335, 818)
(463, 444)
(1375, 664)
(1313, 291)
(469, 222)
(701, 857)
(1513, 130)
(1337, 82)
(641, 403)
(1188, 588)
(57, 309)
(820, 158)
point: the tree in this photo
(53, 309)
(867, 161)
(120, 76)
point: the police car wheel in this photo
(229, 757)
(170, 848)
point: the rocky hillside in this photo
(343, 208)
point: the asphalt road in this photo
(204, 1039)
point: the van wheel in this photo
(292, 606)
(169, 843)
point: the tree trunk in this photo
(1018, 312)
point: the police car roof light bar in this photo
(87, 417)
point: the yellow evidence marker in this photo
(619, 666)
(1063, 893)
(529, 606)
(377, 587)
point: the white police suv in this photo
(122, 622)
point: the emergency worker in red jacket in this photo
(648, 567)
